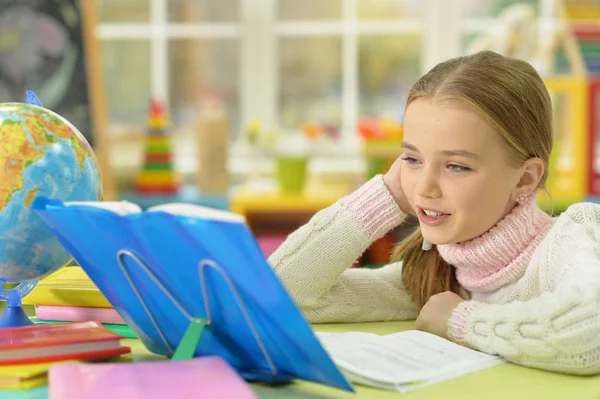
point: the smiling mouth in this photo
(432, 218)
(433, 213)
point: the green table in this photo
(502, 382)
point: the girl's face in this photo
(455, 174)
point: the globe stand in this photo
(14, 315)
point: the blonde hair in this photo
(512, 97)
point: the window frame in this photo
(258, 31)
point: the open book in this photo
(175, 208)
(402, 361)
(192, 281)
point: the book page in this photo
(198, 211)
(183, 209)
(119, 207)
(402, 357)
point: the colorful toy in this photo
(158, 175)
(257, 137)
(312, 130)
(384, 129)
(213, 134)
(382, 143)
(315, 131)
(253, 131)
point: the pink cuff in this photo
(457, 324)
(374, 208)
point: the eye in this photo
(410, 160)
(458, 168)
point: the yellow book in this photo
(24, 376)
(68, 286)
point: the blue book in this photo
(178, 271)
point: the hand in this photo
(434, 316)
(392, 181)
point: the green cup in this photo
(291, 173)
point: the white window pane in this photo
(489, 8)
(310, 81)
(203, 10)
(388, 67)
(123, 10)
(309, 9)
(202, 70)
(390, 9)
(126, 68)
(468, 40)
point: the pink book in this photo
(78, 313)
(269, 243)
(208, 377)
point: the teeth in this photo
(431, 213)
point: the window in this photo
(331, 61)
(284, 62)
(350, 59)
(179, 51)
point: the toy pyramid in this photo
(158, 175)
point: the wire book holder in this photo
(193, 334)
(156, 267)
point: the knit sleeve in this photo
(314, 261)
(557, 331)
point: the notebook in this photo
(202, 377)
(121, 329)
(78, 313)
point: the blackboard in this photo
(49, 46)
(42, 49)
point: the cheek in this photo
(483, 201)
(465, 193)
(408, 180)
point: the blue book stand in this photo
(194, 287)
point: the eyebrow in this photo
(460, 153)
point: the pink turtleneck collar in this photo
(500, 256)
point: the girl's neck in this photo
(500, 256)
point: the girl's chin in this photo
(441, 240)
(438, 236)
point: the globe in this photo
(41, 153)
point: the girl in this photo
(487, 268)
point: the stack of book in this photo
(27, 353)
(70, 295)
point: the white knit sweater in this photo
(544, 313)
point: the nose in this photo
(428, 184)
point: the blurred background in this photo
(276, 108)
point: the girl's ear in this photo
(531, 175)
